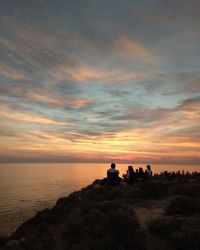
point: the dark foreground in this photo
(158, 214)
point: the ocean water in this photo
(26, 189)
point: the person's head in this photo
(141, 170)
(113, 165)
(148, 167)
(130, 168)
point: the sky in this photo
(100, 81)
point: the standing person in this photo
(148, 172)
(130, 176)
(113, 175)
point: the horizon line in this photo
(98, 162)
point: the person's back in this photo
(113, 175)
(130, 177)
(148, 172)
(141, 174)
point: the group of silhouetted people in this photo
(177, 174)
(130, 177)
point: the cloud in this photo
(131, 48)
(89, 74)
(56, 101)
(174, 125)
(17, 116)
(14, 90)
(101, 80)
(6, 132)
(143, 114)
(192, 86)
(45, 96)
(190, 108)
(11, 74)
(35, 47)
(81, 74)
(35, 54)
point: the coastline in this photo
(77, 221)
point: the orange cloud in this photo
(132, 48)
(82, 74)
(129, 145)
(87, 74)
(7, 113)
(58, 101)
(154, 143)
(10, 73)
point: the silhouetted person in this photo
(136, 173)
(187, 173)
(148, 172)
(173, 174)
(130, 176)
(141, 174)
(113, 175)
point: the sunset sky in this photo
(100, 81)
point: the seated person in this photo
(136, 172)
(130, 176)
(113, 175)
(148, 172)
(141, 174)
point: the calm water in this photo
(28, 188)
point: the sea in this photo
(26, 189)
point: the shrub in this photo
(181, 232)
(183, 206)
(131, 192)
(190, 189)
(154, 190)
(163, 226)
(186, 238)
(102, 193)
(69, 201)
(106, 225)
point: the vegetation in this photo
(183, 206)
(182, 233)
(154, 190)
(105, 225)
(187, 189)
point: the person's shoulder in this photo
(111, 170)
